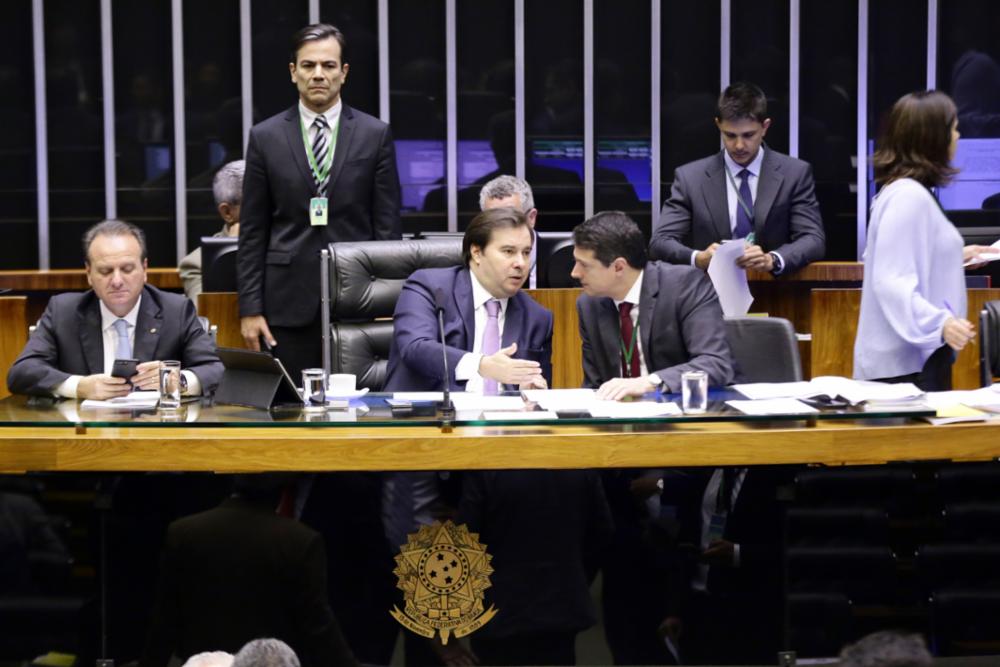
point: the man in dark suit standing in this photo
(746, 191)
(80, 335)
(642, 324)
(495, 334)
(317, 173)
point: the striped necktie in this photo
(320, 146)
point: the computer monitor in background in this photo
(978, 161)
(421, 164)
(630, 157)
(218, 263)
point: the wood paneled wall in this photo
(13, 334)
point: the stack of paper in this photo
(852, 391)
(772, 406)
(137, 400)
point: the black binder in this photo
(255, 380)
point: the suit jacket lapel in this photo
(297, 149)
(767, 190)
(512, 323)
(647, 305)
(465, 306)
(345, 132)
(717, 197)
(148, 324)
(610, 328)
(91, 336)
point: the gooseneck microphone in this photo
(446, 407)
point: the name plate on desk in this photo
(256, 380)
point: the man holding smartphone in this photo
(109, 340)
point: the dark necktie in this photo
(320, 146)
(744, 224)
(628, 345)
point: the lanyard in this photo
(320, 172)
(630, 352)
(746, 207)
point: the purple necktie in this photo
(743, 224)
(491, 341)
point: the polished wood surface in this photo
(835, 325)
(65, 280)
(222, 310)
(567, 346)
(13, 334)
(817, 272)
(193, 448)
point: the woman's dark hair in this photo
(917, 139)
(480, 229)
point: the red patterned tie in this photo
(629, 347)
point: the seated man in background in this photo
(746, 191)
(643, 323)
(512, 192)
(494, 333)
(227, 189)
(238, 572)
(80, 335)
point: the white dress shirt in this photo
(732, 193)
(109, 338)
(633, 298)
(467, 369)
(332, 116)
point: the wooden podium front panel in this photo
(13, 334)
(835, 325)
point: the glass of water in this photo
(314, 388)
(694, 392)
(170, 385)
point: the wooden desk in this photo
(835, 325)
(13, 334)
(236, 449)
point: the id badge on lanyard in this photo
(318, 209)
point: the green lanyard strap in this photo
(320, 171)
(630, 352)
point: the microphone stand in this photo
(446, 407)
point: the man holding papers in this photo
(642, 324)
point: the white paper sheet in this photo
(490, 415)
(853, 391)
(633, 409)
(773, 406)
(134, 401)
(560, 399)
(729, 280)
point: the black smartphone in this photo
(124, 368)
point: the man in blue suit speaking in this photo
(495, 335)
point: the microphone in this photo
(446, 406)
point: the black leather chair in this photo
(989, 342)
(361, 282)
(764, 348)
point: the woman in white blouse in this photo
(913, 297)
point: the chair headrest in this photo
(367, 276)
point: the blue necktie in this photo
(123, 350)
(744, 225)
(491, 342)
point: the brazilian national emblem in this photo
(443, 571)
